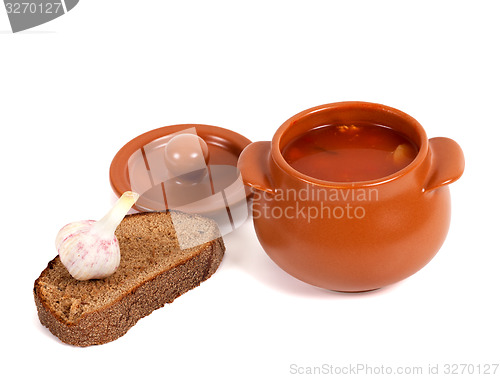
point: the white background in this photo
(73, 91)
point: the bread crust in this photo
(113, 321)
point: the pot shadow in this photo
(245, 253)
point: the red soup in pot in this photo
(347, 153)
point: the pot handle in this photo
(253, 164)
(447, 163)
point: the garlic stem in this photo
(108, 224)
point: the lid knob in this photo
(186, 157)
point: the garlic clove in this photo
(89, 249)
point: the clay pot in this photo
(352, 236)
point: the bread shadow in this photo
(45, 331)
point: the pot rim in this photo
(282, 163)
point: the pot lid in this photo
(188, 167)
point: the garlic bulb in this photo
(89, 249)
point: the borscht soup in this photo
(347, 153)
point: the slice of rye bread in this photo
(153, 270)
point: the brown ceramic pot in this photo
(352, 236)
